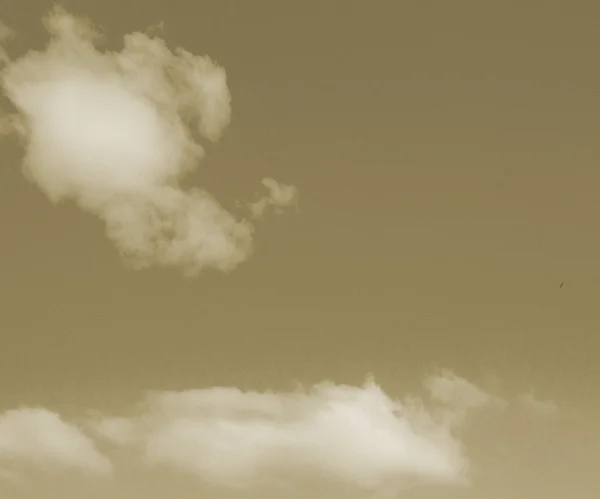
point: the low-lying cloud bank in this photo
(117, 132)
(358, 436)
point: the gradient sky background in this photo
(446, 157)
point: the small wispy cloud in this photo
(278, 196)
(10, 476)
(542, 407)
(458, 396)
(117, 132)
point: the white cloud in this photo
(541, 407)
(355, 435)
(116, 132)
(38, 437)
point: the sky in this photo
(290, 250)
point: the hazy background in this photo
(446, 155)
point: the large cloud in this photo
(354, 435)
(118, 131)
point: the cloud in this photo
(278, 196)
(353, 435)
(117, 132)
(458, 396)
(40, 438)
(541, 407)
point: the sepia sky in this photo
(314, 249)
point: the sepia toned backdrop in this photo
(446, 157)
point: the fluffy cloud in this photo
(354, 435)
(40, 438)
(117, 132)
